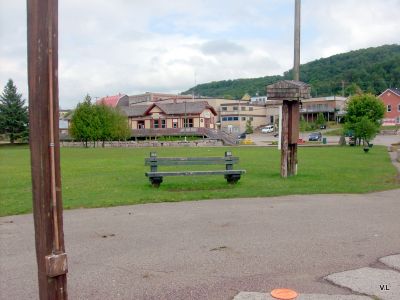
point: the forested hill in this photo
(371, 69)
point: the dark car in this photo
(315, 136)
(242, 136)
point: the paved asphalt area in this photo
(382, 283)
(210, 249)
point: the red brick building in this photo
(391, 99)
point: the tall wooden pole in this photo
(296, 65)
(294, 113)
(44, 146)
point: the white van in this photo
(268, 129)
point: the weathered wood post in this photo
(293, 106)
(44, 146)
(290, 93)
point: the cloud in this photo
(107, 47)
(222, 47)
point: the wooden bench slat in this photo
(171, 161)
(190, 173)
(187, 163)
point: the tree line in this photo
(370, 70)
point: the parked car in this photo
(268, 129)
(242, 136)
(315, 136)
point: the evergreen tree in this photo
(320, 119)
(249, 127)
(82, 128)
(13, 113)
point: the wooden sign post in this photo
(44, 146)
(290, 92)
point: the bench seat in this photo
(190, 173)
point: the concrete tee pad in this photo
(264, 296)
(392, 261)
(384, 284)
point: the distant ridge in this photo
(372, 69)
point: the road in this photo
(261, 139)
(209, 249)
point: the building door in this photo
(207, 122)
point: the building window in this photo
(251, 118)
(163, 124)
(250, 108)
(140, 124)
(156, 124)
(243, 118)
(271, 119)
(235, 118)
(398, 107)
(243, 107)
(224, 118)
(235, 108)
(188, 122)
(175, 123)
(389, 108)
(224, 108)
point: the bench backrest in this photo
(153, 160)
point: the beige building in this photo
(333, 108)
(234, 116)
(175, 118)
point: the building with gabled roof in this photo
(159, 119)
(391, 100)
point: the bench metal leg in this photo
(232, 179)
(156, 181)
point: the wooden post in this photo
(285, 139)
(294, 108)
(44, 146)
(296, 65)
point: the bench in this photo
(156, 177)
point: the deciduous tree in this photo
(98, 123)
(364, 114)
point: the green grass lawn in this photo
(110, 177)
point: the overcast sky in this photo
(133, 46)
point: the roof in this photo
(135, 111)
(329, 98)
(184, 107)
(395, 90)
(169, 108)
(113, 101)
(288, 90)
(285, 83)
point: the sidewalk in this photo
(383, 284)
